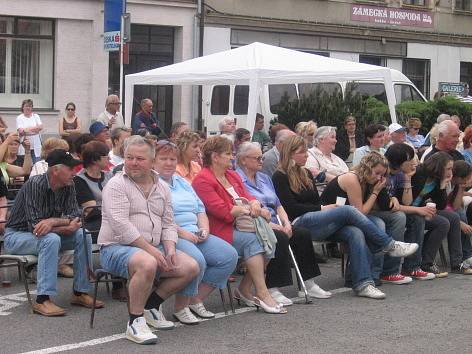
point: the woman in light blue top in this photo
(278, 272)
(216, 258)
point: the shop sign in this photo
(391, 16)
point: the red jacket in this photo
(218, 202)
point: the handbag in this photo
(244, 223)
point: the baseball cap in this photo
(96, 128)
(62, 157)
(395, 127)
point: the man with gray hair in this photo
(46, 219)
(272, 156)
(111, 117)
(227, 127)
(146, 119)
(138, 238)
(448, 137)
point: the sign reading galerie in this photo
(391, 16)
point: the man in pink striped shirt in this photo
(138, 238)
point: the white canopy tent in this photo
(255, 65)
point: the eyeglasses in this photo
(118, 103)
(258, 158)
(415, 128)
(165, 142)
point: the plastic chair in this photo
(24, 263)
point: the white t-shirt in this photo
(24, 122)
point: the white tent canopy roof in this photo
(256, 64)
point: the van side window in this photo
(276, 92)
(405, 92)
(328, 87)
(367, 89)
(241, 99)
(220, 100)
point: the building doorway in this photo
(150, 47)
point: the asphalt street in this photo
(422, 317)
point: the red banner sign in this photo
(391, 16)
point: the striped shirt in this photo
(127, 214)
(37, 201)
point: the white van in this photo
(232, 100)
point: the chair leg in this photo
(230, 295)
(95, 292)
(223, 302)
(124, 284)
(442, 255)
(20, 272)
(22, 266)
(107, 277)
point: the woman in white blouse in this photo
(29, 124)
(321, 160)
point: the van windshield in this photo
(277, 92)
(368, 89)
(328, 87)
(405, 92)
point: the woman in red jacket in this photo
(218, 187)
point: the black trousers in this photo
(278, 272)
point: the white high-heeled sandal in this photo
(240, 298)
(277, 309)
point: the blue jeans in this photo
(415, 225)
(47, 249)
(216, 259)
(347, 224)
(394, 224)
(465, 238)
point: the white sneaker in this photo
(140, 333)
(200, 310)
(402, 249)
(468, 262)
(186, 317)
(279, 297)
(155, 318)
(316, 292)
(371, 292)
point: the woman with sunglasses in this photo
(413, 136)
(219, 187)
(279, 272)
(70, 123)
(215, 257)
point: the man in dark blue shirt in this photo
(43, 221)
(146, 119)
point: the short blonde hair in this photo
(52, 144)
(305, 128)
(413, 123)
(184, 141)
(216, 144)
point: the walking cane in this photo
(297, 270)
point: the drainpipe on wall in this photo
(201, 27)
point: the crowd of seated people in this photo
(177, 213)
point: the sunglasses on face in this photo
(258, 158)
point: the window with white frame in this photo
(465, 5)
(26, 61)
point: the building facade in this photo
(52, 51)
(430, 41)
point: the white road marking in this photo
(7, 302)
(114, 337)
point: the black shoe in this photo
(377, 282)
(433, 268)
